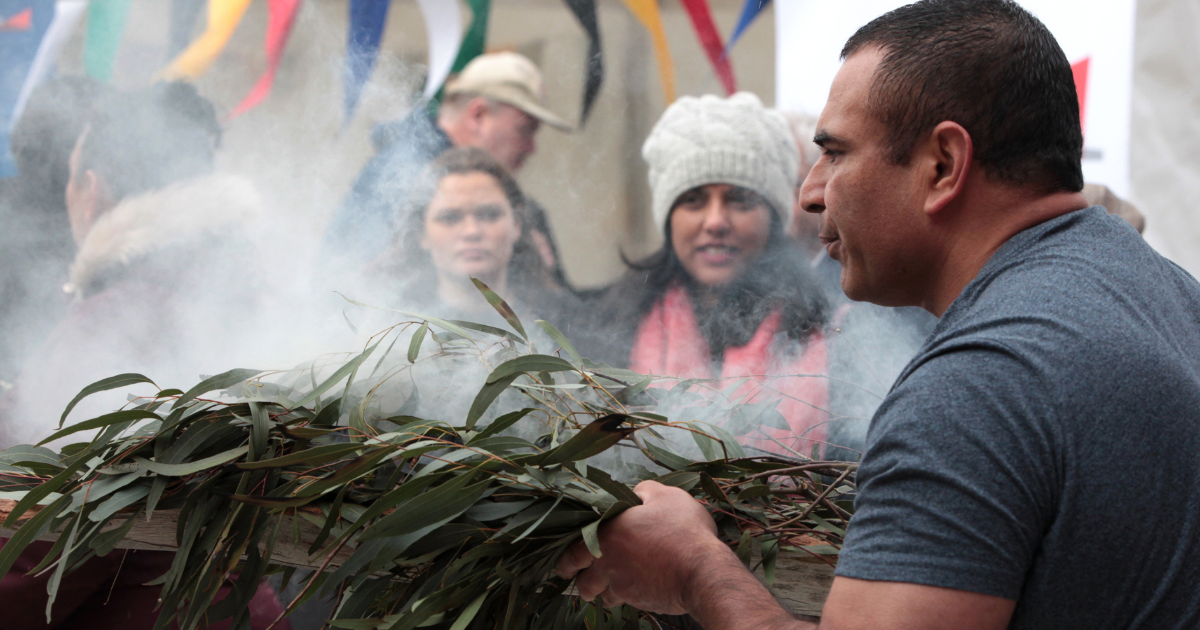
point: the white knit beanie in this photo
(713, 140)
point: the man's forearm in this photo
(722, 595)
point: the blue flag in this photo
(23, 23)
(367, 19)
(750, 11)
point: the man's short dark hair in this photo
(988, 65)
(148, 139)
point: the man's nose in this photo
(812, 191)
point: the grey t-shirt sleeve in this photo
(958, 482)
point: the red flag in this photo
(281, 16)
(22, 21)
(710, 39)
(1080, 70)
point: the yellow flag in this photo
(646, 11)
(223, 18)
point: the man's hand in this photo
(649, 553)
(664, 556)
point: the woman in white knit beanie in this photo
(728, 295)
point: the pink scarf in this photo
(669, 343)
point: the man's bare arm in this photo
(664, 556)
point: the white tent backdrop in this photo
(1104, 43)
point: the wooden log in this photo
(801, 581)
(158, 534)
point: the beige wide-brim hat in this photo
(509, 78)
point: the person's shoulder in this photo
(1085, 272)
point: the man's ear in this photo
(474, 113)
(949, 154)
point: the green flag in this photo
(106, 23)
(472, 43)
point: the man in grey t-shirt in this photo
(1037, 465)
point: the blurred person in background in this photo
(496, 104)
(153, 226)
(1101, 195)
(728, 294)
(467, 218)
(35, 244)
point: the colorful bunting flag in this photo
(585, 12)
(184, 14)
(67, 14)
(22, 25)
(443, 26)
(223, 18)
(710, 40)
(473, 42)
(750, 10)
(22, 21)
(646, 11)
(281, 16)
(367, 19)
(105, 25)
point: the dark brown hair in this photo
(409, 264)
(988, 65)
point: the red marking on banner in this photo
(22, 21)
(1080, 70)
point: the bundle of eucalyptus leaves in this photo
(453, 523)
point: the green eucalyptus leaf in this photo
(529, 363)
(468, 614)
(501, 307)
(104, 542)
(103, 421)
(28, 532)
(36, 495)
(118, 501)
(486, 396)
(223, 380)
(260, 431)
(346, 370)
(311, 457)
(103, 385)
(440, 504)
(595, 438)
(490, 330)
(591, 538)
(561, 340)
(414, 345)
(618, 490)
(191, 468)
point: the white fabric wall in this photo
(1165, 130)
(1154, 139)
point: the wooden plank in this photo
(801, 581)
(159, 534)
